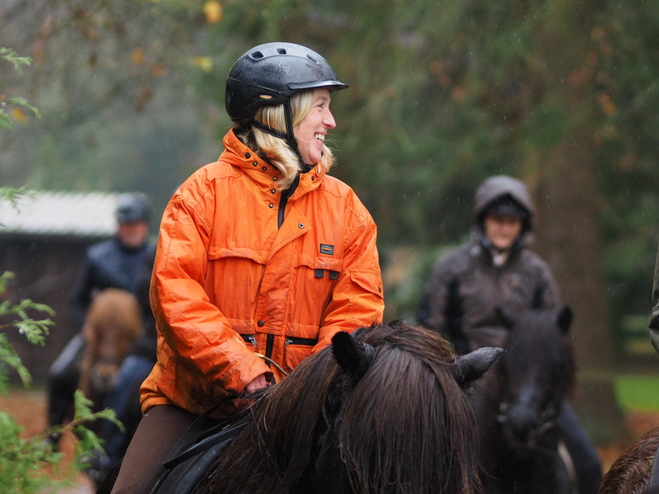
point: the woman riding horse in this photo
(471, 285)
(260, 252)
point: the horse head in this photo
(344, 418)
(537, 371)
(113, 322)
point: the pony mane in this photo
(631, 472)
(318, 431)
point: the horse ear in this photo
(352, 356)
(564, 320)
(469, 367)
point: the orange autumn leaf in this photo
(204, 63)
(138, 56)
(19, 115)
(213, 11)
(607, 104)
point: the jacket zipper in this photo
(249, 338)
(285, 194)
(291, 340)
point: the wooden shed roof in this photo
(65, 214)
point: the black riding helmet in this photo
(269, 74)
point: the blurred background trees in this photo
(442, 94)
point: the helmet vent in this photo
(312, 58)
(256, 55)
(281, 51)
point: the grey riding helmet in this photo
(269, 74)
(132, 208)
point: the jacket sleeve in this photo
(357, 299)
(194, 328)
(653, 327)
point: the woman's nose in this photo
(328, 121)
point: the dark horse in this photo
(636, 471)
(380, 411)
(517, 402)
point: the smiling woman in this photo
(261, 253)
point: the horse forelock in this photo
(535, 375)
(536, 346)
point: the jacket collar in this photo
(480, 244)
(262, 172)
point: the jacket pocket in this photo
(232, 280)
(296, 350)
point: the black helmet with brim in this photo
(269, 74)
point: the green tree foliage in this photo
(23, 461)
(16, 103)
(442, 95)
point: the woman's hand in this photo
(258, 383)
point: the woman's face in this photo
(311, 131)
(502, 231)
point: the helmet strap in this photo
(288, 136)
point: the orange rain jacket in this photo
(227, 282)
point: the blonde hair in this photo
(274, 149)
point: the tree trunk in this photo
(567, 236)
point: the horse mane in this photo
(631, 472)
(351, 437)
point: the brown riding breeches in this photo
(158, 431)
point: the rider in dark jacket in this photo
(125, 262)
(472, 284)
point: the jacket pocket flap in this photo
(326, 263)
(368, 280)
(215, 253)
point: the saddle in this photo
(191, 458)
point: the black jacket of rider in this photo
(109, 264)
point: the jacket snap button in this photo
(274, 191)
(248, 155)
(265, 168)
(300, 225)
(255, 163)
(274, 178)
(271, 205)
(261, 323)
